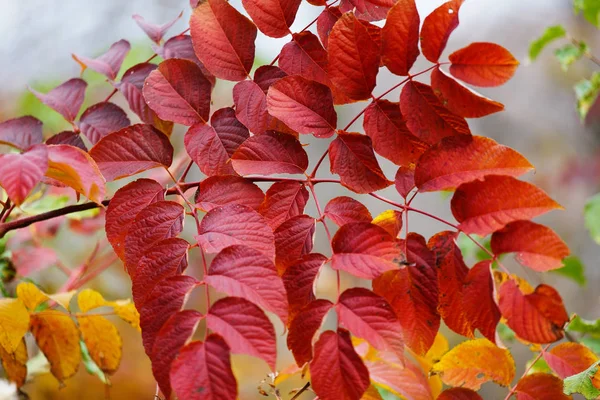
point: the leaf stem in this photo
(540, 354)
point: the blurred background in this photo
(540, 121)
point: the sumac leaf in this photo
(305, 56)
(283, 201)
(539, 385)
(400, 37)
(245, 328)
(299, 280)
(293, 239)
(404, 181)
(337, 372)
(109, 63)
(217, 191)
(15, 364)
(460, 159)
(485, 206)
(66, 99)
(343, 210)
(155, 32)
(102, 340)
(181, 46)
(266, 75)
(20, 173)
(437, 28)
(478, 300)
(132, 150)
(568, 359)
(223, 39)
(244, 272)
(101, 119)
(483, 64)
(303, 328)
(390, 220)
(67, 137)
(537, 246)
(352, 158)
(368, 10)
(202, 371)
(251, 106)
(15, 322)
(21, 132)
(459, 394)
(326, 21)
(272, 17)
(406, 381)
(365, 250)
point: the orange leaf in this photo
(460, 99)
(538, 317)
(567, 359)
(475, 362)
(390, 220)
(540, 386)
(485, 206)
(483, 64)
(461, 159)
(15, 364)
(537, 246)
(58, 337)
(102, 340)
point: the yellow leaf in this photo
(371, 394)
(102, 340)
(64, 299)
(434, 354)
(14, 323)
(58, 337)
(390, 220)
(474, 362)
(501, 277)
(31, 295)
(126, 310)
(15, 364)
(89, 299)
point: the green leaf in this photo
(591, 10)
(570, 53)
(591, 214)
(573, 269)
(469, 249)
(591, 342)
(581, 325)
(90, 366)
(582, 383)
(540, 365)
(506, 334)
(586, 92)
(550, 34)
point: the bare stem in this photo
(541, 353)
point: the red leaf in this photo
(293, 239)
(390, 220)
(452, 273)
(74, 167)
(365, 250)
(326, 21)
(304, 327)
(211, 147)
(235, 224)
(426, 117)
(202, 371)
(368, 10)
(568, 359)
(170, 339)
(131, 87)
(21, 132)
(404, 180)
(65, 99)
(353, 58)
(223, 39)
(483, 64)
(244, 272)
(272, 17)
(28, 260)
(537, 246)
(132, 150)
(283, 201)
(178, 91)
(413, 294)
(460, 99)
(343, 210)
(459, 393)
(164, 300)
(337, 372)
(217, 191)
(67, 137)
(538, 317)
(251, 106)
(437, 28)
(400, 37)
(305, 106)
(409, 381)
(540, 386)
(157, 221)
(478, 300)
(352, 158)
(180, 46)
(245, 328)
(101, 119)
(155, 32)
(166, 258)
(20, 173)
(125, 206)
(266, 75)
(370, 317)
(109, 63)
(485, 206)
(386, 127)
(305, 56)
(270, 153)
(461, 159)
(299, 280)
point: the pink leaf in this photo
(20, 173)
(67, 137)
(181, 47)
(132, 150)
(272, 17)
(65, 99)
(217, 191)
(409, 381)
(155, 32)
(304, 327)
(343, 210)
(245, 328)
(293, 239)
(244, 272)
(28, 260)
(283, 201)
(101, 119)
(21, 132)
(299, 280)
(109, 63)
